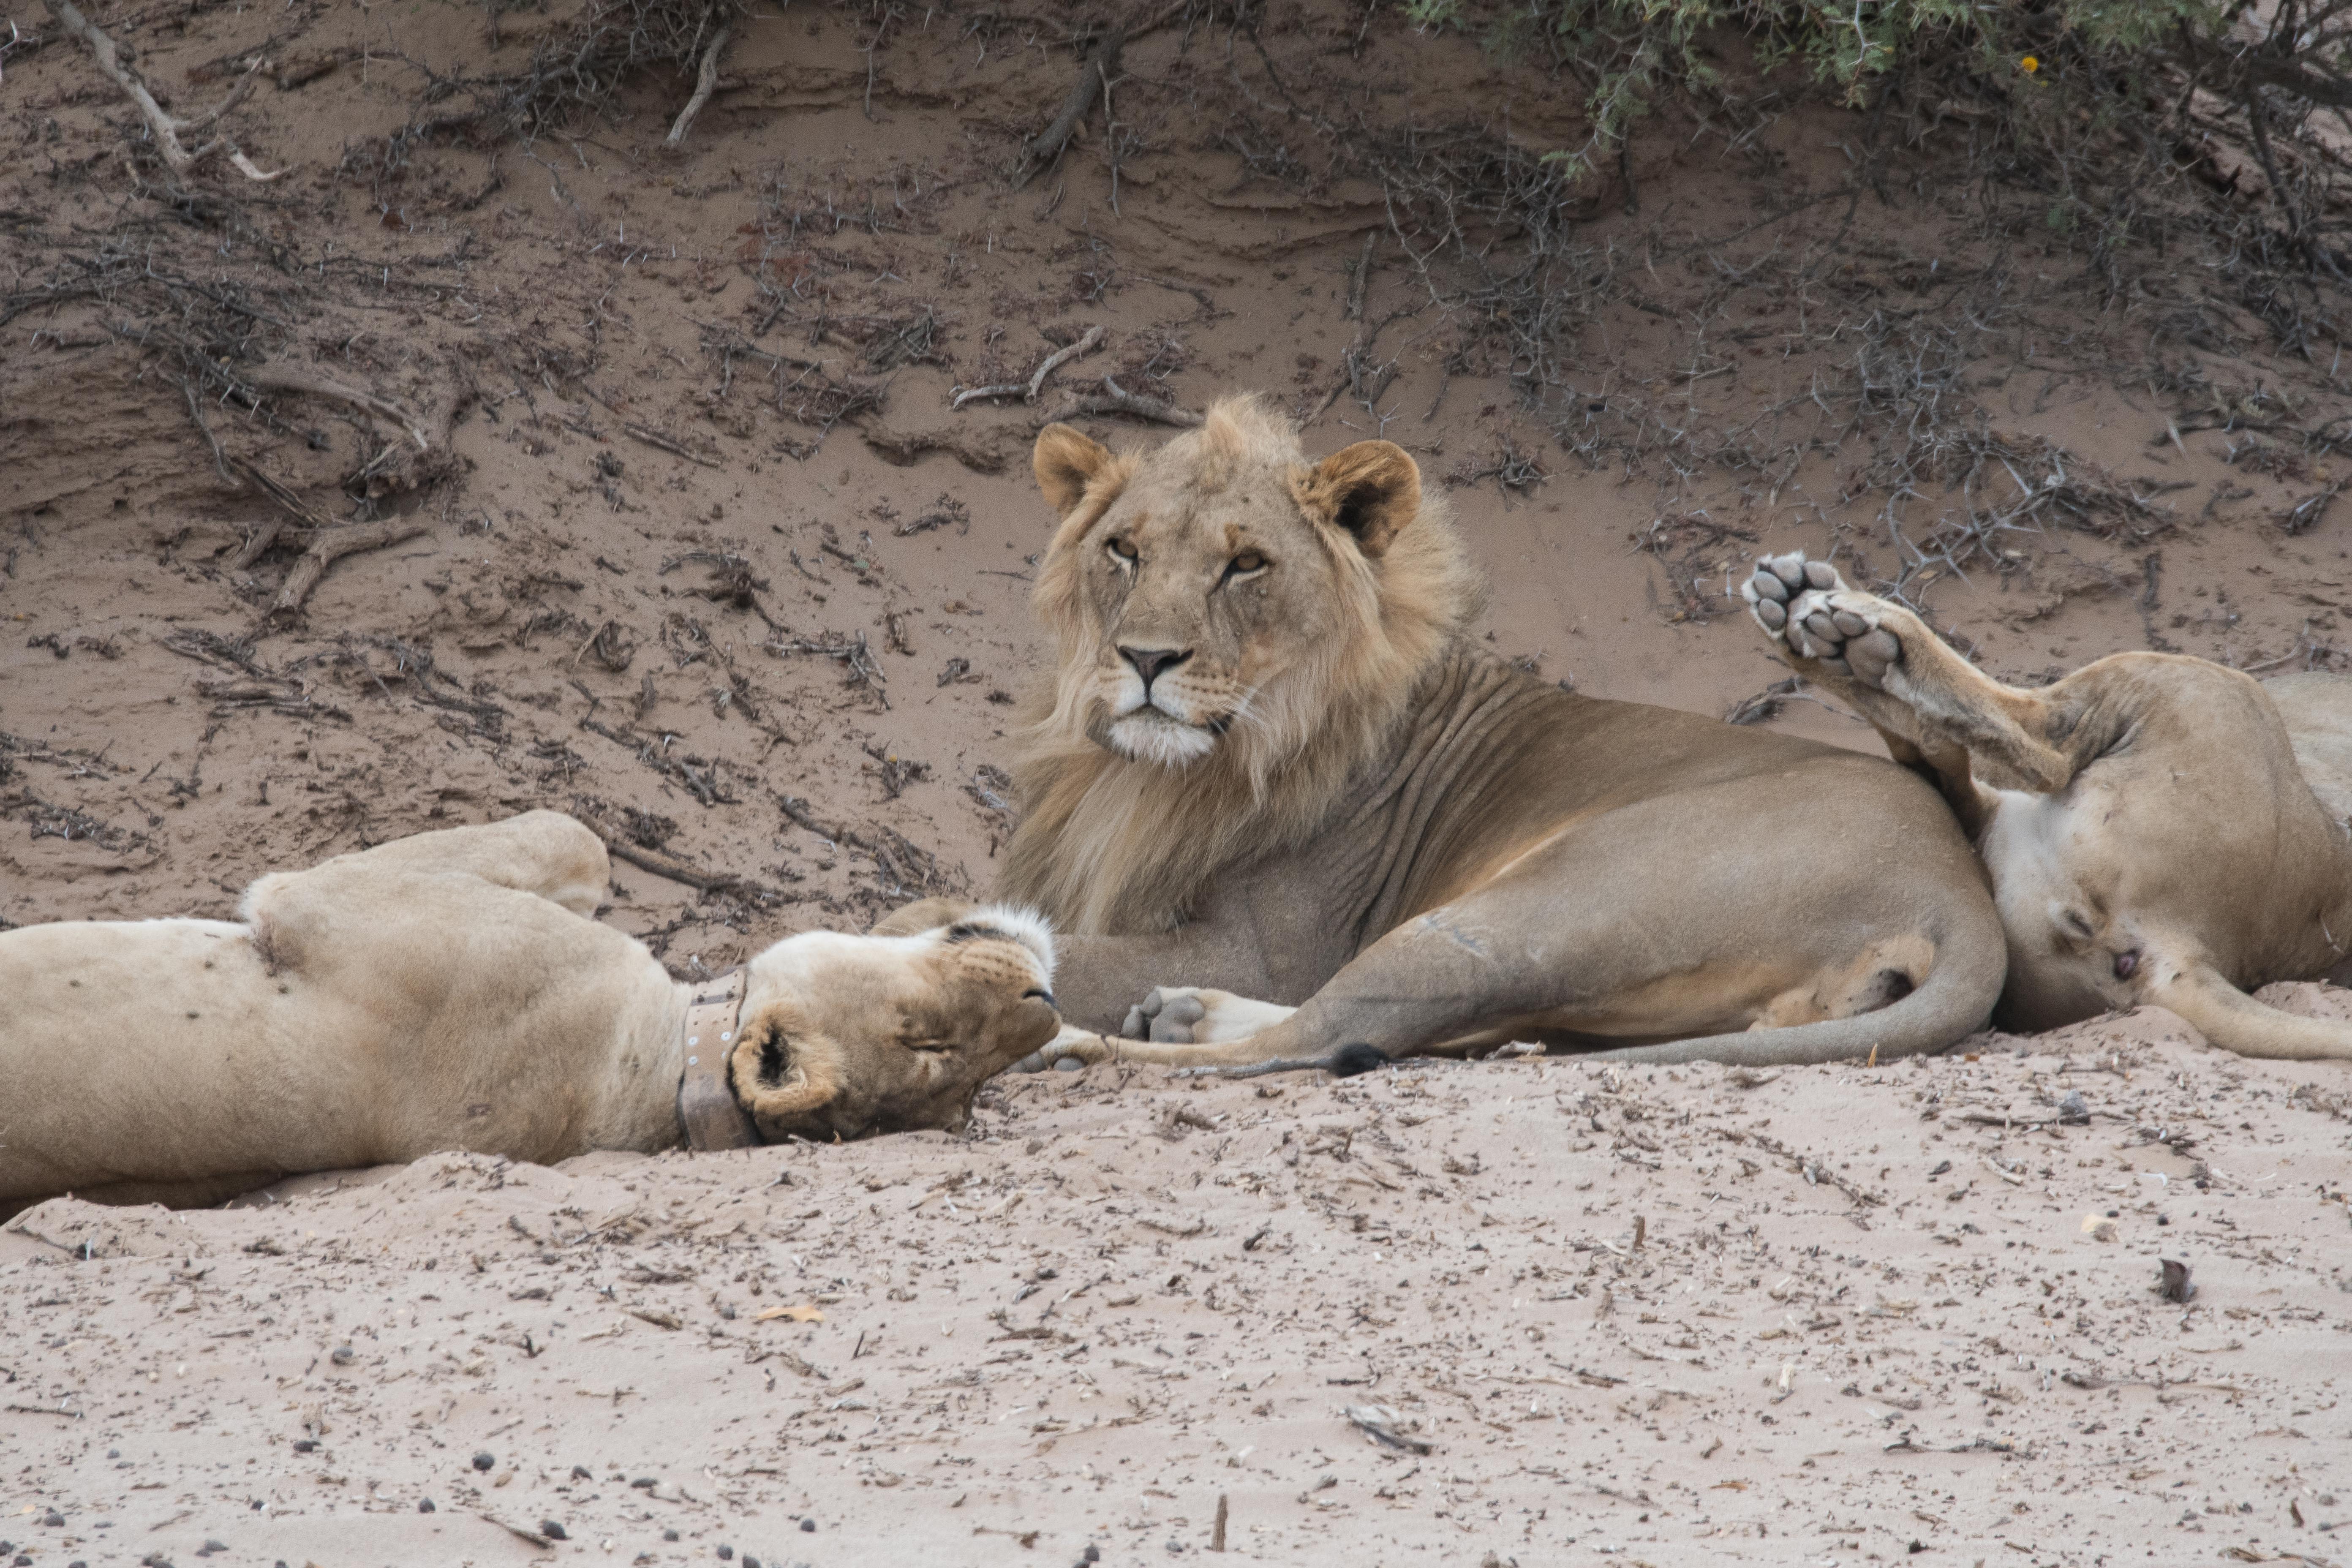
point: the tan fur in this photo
(1111, 844)
(1275, 770)
(2153, 825)
(447, 992)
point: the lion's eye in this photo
(1122, 550)
(1247, 562)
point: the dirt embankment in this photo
(682, 528)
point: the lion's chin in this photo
(1147, 736)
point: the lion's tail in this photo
(1954, 1000)
(2237, 1022)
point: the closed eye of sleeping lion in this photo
(1276, 785)
(447, 992)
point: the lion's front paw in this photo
(1187, 1015)
(1806, 608)
(1070, 1051)
(1167, 1015)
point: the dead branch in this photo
(166, 130)
(266, 535)
(655, 439)
(204, 428)
(1093, 74)
(668, 866)
(1116, 399)
(1060, 357)
(974, 393)
(329, 545)
(279, 379)
(703, 87)
(1027, 392)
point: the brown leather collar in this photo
(707, 1109)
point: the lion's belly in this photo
(159, 1050)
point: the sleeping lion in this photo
(449, 991)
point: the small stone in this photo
(1093, 1553)
(554, 1530)
(114, 1453)
(726, 1553)
(809, 1525)
(669, 1535)
(306, 1445)
(53, 1518)
(425, 1505)
(342, 1355)
(484, 1461)
(583, 1473)
(749, 1561)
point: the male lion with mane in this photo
(1273, 767)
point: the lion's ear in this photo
(1065, 463)
(776, 1076)
(1372, 490)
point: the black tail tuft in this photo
(1359, 1057)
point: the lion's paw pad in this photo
(1166, 1016)
(1807, 607)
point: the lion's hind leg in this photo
(1931, 705)
(544, 853)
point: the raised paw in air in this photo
(1806, 608)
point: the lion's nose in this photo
(1150, 661)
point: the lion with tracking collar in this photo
(1276, 785)
(449, 991)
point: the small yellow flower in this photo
(2029, 65)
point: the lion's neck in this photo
(1108, 845)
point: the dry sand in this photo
(1849, 1314)
(1615, 1308)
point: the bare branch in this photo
(166, 131)
(703, 87)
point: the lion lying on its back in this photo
(446, 991)
(1274, 765)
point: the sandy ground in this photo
(1849, 1314)
(649, 584)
